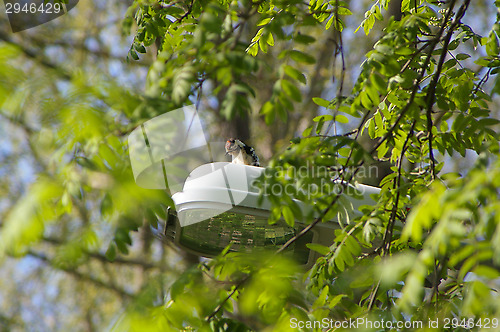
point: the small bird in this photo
(242, 153)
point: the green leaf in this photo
(321, 300)
(282, 113)
(295, 74)
(379, 124)
(304, 39)
(86, 163)
(288, 215)
(210, 22)
(379, 83)
(133, 55)
(339, 24)
(384, 49)
(462, 56)
(264, 21)
(321, 102)
(270, 39)
(323, 250)
(333, 302)
(352, 246)
(488, 122)
(365, 100)
(111, 252)
(307, 131)
(326, 117)
(339, 262)
(486, 271)
(493, 44)
(341, 118)
(182, 84)
(368, 24)
(253, 49)
(301, 57)
(291, 90)
(263, 45)
(343, 11)
(140, 48)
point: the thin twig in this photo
(431, 91)
(386, 243)
(335, 199)
(396, 185)
(186, 14)
(35, 55)
(81, 275)
(481, 82)
(228, 297)
(103, 258)
(432, 46)
(339, 50)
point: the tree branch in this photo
(386, 243)
(81, 47)
(30, 53)
(432, 46)
(228, 297)
(431, 91)
(102, 258)
(74, 272)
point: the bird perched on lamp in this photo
(241, 153)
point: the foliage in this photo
(425, 93)
(417, 95)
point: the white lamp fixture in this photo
(218, 206)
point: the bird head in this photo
(232, 146)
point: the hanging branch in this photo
(431, 46)
(431, 91)
(386, 243)
(74, 272)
